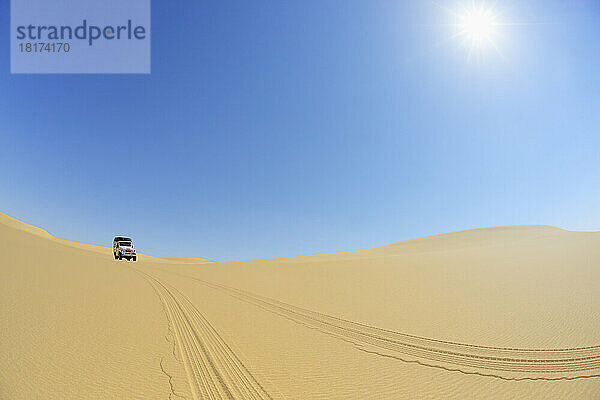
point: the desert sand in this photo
(495, 313)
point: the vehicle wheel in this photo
(115, 256)
(120, 257)
(134, 258)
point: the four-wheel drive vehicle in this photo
(123, 249)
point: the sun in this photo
(480, 26)
(477, 25)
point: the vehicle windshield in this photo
(125, 244)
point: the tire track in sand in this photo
(499, 362)
(213, 369)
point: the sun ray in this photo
(477, 25)
(446, 9)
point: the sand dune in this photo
(507, 312)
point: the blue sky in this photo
(271, 129)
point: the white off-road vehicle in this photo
(123, 249)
